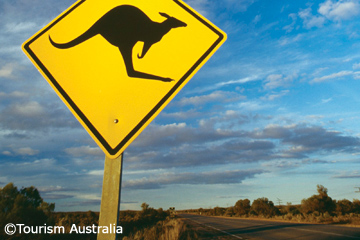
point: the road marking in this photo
(215, 229)
(300, 229)
(328, 233)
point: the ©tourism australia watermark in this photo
(11, 229)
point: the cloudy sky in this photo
(273, 113)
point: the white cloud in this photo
(326, 100)
(273, 96)
(31, 115)
(7, 70)
(257, 19)
(215, 97)
(356, 75)
(7, 153)
(252, 106)
(27, 151)
(348, 174)
(310, 20)
(340, 10)
(200, 100)
(95, 197)
(291, 26)
(84, 151)
(356, 66)
(239, 81)
(332, 76)
(319, 70)
(278, 80)
(170, 178)
(331, 10)
(25, 169)
(288, 40)
(29, 109)
(96, 172)
(51, 189)
(20, 27)
(171, 128)
(15, 94)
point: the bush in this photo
(319, 203)
(23, 206)
(343, 207)
(264, 207)
(229, 212)
(169, 229)
(136, 221)
(242, 207)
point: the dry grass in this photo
(347, 219)
(170, 229)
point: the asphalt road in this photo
(235, 228)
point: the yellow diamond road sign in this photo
(117, 63)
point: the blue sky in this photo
(272, 114)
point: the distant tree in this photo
(356, 206)
(133, 221)
(321, 202)
(217, 211)
(201, 211)
(289, 208)
(344, 206)
(149, 212)
(7, 199)
(264, 207)
(144, 207)
(242, 207)
(23, 206)
(32, 196)
(229, 212)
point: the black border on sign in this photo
(91, 127)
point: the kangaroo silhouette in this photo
(124, 26)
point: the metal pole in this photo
(110, 198)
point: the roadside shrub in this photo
(169, 229)
(343, 207)
(319, 203)
(264, 207)
(242, 207)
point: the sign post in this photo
(116, 65)
(111, 196)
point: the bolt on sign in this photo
(117, 64)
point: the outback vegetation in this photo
(25, 206)
(319, 208)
